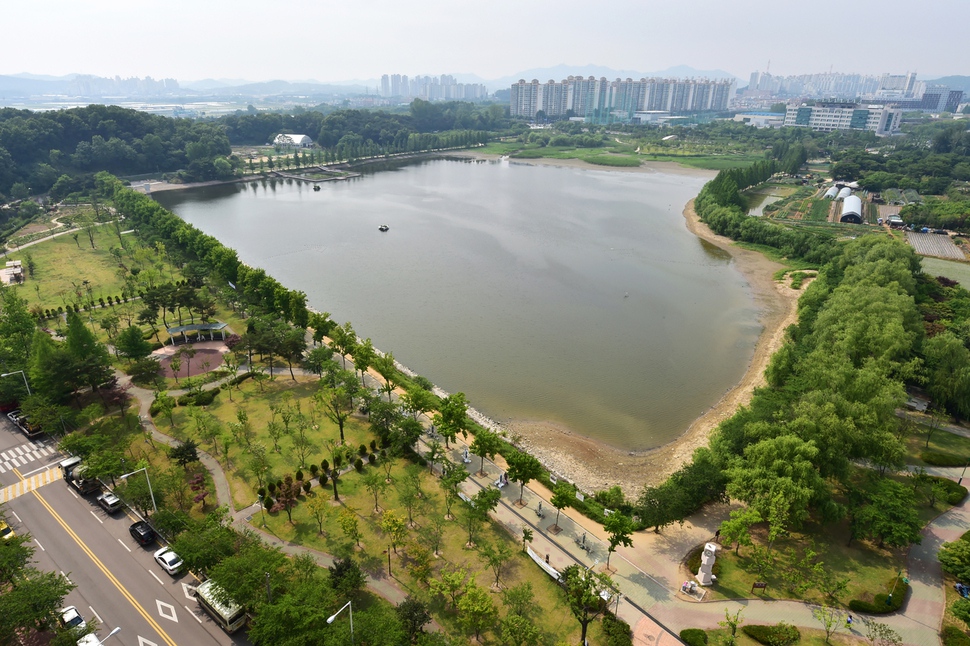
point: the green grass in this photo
(774, 254)
(951, 269)
(941, 441)
(65, 268)
(810, 637)
(613, 160)
(819, 211)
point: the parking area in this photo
(934, 244)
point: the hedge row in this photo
(879, 605)
(694, 637)
(955, 493)
(942, 459)
(780, 635)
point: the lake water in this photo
(555, 294)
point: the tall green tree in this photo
(523, 468)
(619, 528)
(485, 444)
(582, 588)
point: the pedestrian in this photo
(547, 558)
(717, 536)
(848, 622)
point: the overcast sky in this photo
(329, 40)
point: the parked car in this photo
(169, 560)
(71, 618)
(5, 530)
(14, 415)
(110, 502)
(142, 533)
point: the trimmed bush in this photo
(359, 465)
(780, 635)
(879, 606)
(955, 493)
(238, 379)
(694, 637)
(617, 631)
(942, 459)
(953, 636)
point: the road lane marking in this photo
(124, 546)
(39, 545)
(189, 591)
(97, 517)
(67, 578)
(16, 516)
(95, 613)
(144, 642)
(165, 608)
(111, 577)
(72, 493)
(156, 578)
(193, 614)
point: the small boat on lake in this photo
(383, 228)
(316, 187)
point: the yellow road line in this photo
(26, 485)
(111, 577)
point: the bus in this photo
(230, 617)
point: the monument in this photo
(705, 574)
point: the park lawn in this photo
(941, 441)
(256, 400)
(866, 567)
(63, 266)
(553, 619)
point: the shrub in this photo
(157, 346)
(238, 379)
(313, 470)
(617, 631)
(362, 451)
(953, 636)
(359, 465)
(955, 493)
(878, 606)
(306, 486)
(780, 635)
(694, 637)
(299, 474)
(937, 459)
(372, 458)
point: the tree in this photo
(384, 365)
(184, 453)
(394, 528)
(350, 524)
(297, 618)
(737, 528)
(581, 588)
(523, 468)
(476, 612)
(830, 617)
(450, 585)
(417, 400)
(485, 444)
(527, 537)
(320, 509)
(495, 556)
(732, 622)
(519, 631)
(346, 577)
(520, 600)
(375, 483)
(413, 614)
(562, 495)
(337, 402)
(32, 603)
(436, 453)
(619, 526)
(410, 495)
(292, 347)
(132, 345)
(890, 516)
(244, 574)
(452, 417)
(451, 481)
(955, 559)
(878, 634)
(286, 496)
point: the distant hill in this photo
(954, 82)
(559, 72)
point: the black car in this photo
(142, 532)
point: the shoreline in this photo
(593, 465)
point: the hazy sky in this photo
(329, 40)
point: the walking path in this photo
(649, 574)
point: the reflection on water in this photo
(560, 294)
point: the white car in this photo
(71, 618)
(169, 560)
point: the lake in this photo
(544, 293)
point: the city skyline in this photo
(346, 42)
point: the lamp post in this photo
(334, 616)
(116, 630)
(960, 481)
(22, 374)
(145, 469)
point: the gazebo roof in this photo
(197, 327)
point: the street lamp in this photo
(23, 374)
(116, 630)
(334, 616)
(145, 469)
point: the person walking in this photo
(848, 622)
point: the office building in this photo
(832, 116)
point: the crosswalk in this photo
(23, 454)
(27, 485)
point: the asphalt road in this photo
(118, 581)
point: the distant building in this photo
(290, 140)
(761, 119)
(621, 99)
(832, 116)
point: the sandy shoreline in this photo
(593, 465)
